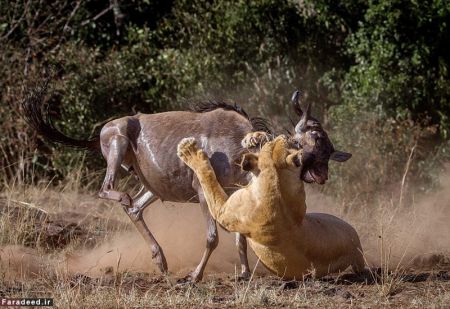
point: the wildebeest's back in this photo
(218, 133)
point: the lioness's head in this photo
(276, 154)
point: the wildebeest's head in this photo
(317, 147)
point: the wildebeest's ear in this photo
(249, 162)
(340, 156)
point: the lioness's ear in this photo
(340, 156)
(249, 162)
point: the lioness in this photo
(271, 212)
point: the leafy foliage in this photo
(401, 61)
(372, 69)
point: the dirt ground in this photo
(83, 252)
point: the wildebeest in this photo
(145, 145)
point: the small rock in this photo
(289, 285)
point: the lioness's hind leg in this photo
(358, 265)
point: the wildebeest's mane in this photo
(258, 123)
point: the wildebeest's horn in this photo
(295, 102)
(301, 126)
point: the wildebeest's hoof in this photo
(190, 278)
(160, 260)
(244, 276)
(126, 200)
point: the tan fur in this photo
(254, 139)
(271, 212)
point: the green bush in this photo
(377, 73)
(401, 61)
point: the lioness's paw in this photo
(254, 139)
(187, 148)
(188, 151)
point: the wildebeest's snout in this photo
(313, 170)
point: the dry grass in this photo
(39, 269)
(222, 290)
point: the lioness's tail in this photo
(37, 115)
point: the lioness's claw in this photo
(186, 148)
(254, 139)
(189, 153)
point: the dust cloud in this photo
(19, 262)
(415, 235)
(180, 229)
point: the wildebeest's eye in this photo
(314, 134)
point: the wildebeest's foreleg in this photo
(241, 244)
(212, 240)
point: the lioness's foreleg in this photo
(251, 141)
(227, 214)
(256, 139)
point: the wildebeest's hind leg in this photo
(212, 240)
(115, 151)
(114, 154)
(143, 199)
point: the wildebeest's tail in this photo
(37, 115)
